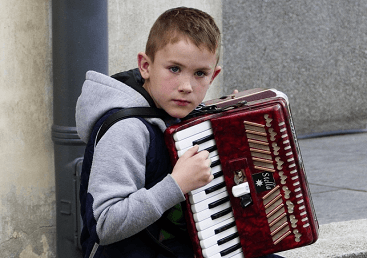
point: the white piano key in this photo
(202, 215)
(218, 248)
(214, 158)
(209, 232)
(216, 169)
(180, 135)
(196, 198)
(209, 222)
(213, 153)
(236, 254)
(203, 205)
(215, 181)
(188, 142)
(202, 146)
(206, 243)
(215, 163)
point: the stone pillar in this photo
(27, 185)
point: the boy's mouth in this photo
(181, 102)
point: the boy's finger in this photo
(210, 161)
(192, 151)
(204, 154)
(211, 178)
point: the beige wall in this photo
(27, 217)
(27, 185)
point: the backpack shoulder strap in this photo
(147, 112)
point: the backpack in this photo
(100, 128)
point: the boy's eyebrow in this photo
(182, 65)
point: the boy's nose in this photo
(185, 86)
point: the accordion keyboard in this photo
(210, 204)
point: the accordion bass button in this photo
(241, 189)
(246, 200)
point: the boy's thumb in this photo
(192, 151)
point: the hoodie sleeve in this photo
(122, 206)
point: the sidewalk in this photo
(336, 168)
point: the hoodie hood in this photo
(101, 93)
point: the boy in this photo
(128, 185)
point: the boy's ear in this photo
(215, 73)
(144, 65)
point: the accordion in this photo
(259, 201)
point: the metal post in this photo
(80, 43)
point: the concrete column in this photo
(27, 184)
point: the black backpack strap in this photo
(133, 79)
(147, 112)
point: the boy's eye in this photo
(174, 69)
(200, 74)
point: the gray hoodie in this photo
(122, 206)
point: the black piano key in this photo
(204, 139)
(221, 213)
(218, 174)
(215, 163)
(218, 202)
(227, 238)
(225, 227)
(230, 249)
(215, 187)
(211, 149)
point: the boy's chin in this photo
(179, 116)
(179, 113)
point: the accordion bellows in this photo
(259, 201)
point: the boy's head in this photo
(182, 22)
(181, 60)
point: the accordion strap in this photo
(213, 109)
(147, 112)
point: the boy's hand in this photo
(192, 170)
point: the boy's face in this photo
(179, 77)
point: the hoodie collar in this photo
(133, 79)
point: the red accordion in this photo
(259, 201)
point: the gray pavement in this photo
(336, 168)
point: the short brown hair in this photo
(191, 23)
